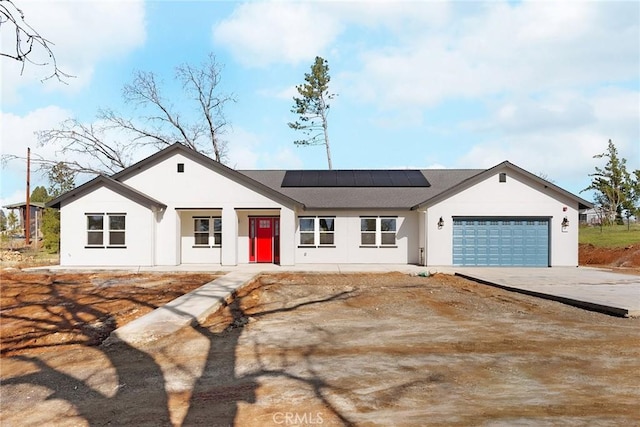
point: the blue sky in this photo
(420, 84)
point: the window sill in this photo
(206, 246)
(368, 246)
(307, 246)
(389, 246)
(94, 247)
(327, 246)
(116, 247)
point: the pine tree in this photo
(313, 107)
(612, 184)
(61, 180)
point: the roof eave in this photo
(207, 161)
(478, 177)
(117, 186)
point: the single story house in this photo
(181, 207)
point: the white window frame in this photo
(95, 231)
(216, 231)
(326, 233)
(106, 232)
(377, 232)
(308, 231)
(393, 232)
(368, 231)
(117, 231)
(198, 232)
(213, 232)
(313, 230)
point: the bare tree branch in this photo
(26, 38)
(159, 123)
(201, 84)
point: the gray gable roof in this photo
(207, 162)
(472, 180)
(112, 184)
(365, 197)
(443, 183)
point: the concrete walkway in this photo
(182, 311)
(200, 303)
(589, 288)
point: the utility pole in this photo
(27, 220)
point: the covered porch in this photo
(229, 236)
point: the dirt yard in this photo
(622, 260)
(350, 349)
(40, 311)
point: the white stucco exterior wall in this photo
(347, 247)
(201, 188)
(139, 226)
(517, 197)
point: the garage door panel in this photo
(501, 242)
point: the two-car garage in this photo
(516, 241)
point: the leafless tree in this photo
(27, 39)
(197, 121)
(163, 123)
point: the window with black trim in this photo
(326, 230)
(217, 231)
(388, 231)
(207, 231)
(115, 229)
(378, 231)
(180, 167)
(307, 231)
(368, 227)
(201, 231)
(317, 231)
(95, 229)
(117, 225)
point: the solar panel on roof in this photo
(327, 179)
(354, 178)
(362, 178)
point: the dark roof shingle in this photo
(364, 197)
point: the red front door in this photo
(264, 239)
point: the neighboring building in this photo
(596, 215)
(35, 217)
(181, 207)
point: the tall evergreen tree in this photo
(40, 195)
(613, 185)
(61, 180)
(3, 221)
(312, 107)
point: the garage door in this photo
(501, 241)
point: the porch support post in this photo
(229, 236)
(287, 236)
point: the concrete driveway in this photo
(590, 288)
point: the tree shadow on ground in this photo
(141, 396)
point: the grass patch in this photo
(613, 236)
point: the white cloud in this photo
(250, 151)
(83, 34)
(242, 152)
(20, 130)
(263, 33)
(529, 47)
(559, 134)
(17, 196)
(283, 158)
(260, 34)
(18, 133)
